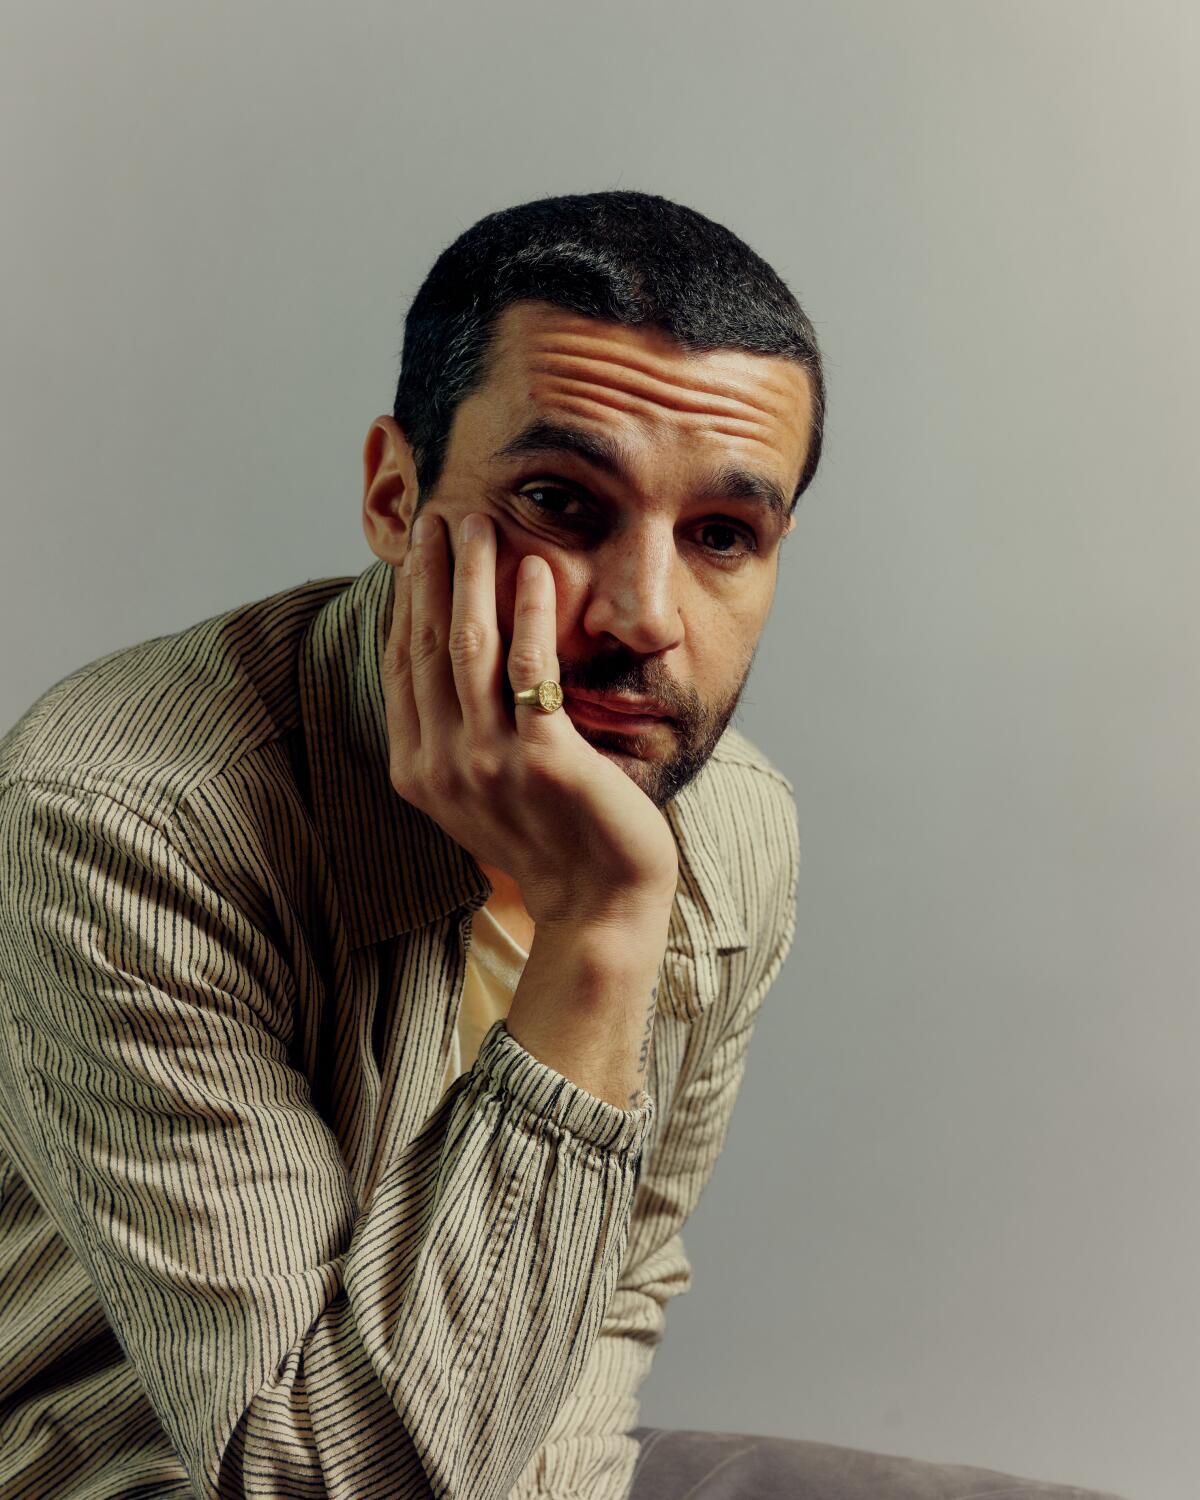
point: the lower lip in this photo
(603, 718)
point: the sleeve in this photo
(588, 1453)
(290, 1341)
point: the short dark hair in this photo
(621, 256)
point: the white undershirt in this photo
(495, 962)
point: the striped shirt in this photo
(250, 1244)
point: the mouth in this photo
(605, 715)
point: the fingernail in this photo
(472, 527)
(423, 529)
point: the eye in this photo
(738, 533)
(551, 500)
(552, 507)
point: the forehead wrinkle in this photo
(596, 408)
(682, 395)
(636, 403)
(665, 366)
(530, 327)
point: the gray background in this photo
(978, 1235)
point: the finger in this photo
(474, 645)
(404, 727)
(433, 682)
(533, 654)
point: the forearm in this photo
(464, 1317)
(586, 1001)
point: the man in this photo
(378, 960)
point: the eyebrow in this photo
(726, 481)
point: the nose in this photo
(633, 593)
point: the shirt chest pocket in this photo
(688, 986)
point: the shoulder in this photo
(734, 749)
(150, 722)
(743, 827)
(750, 804)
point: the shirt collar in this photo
(395, 868)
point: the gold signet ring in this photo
(546, 696)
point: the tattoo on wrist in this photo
(644, 1049)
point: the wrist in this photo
(629, 930)
(585, 1004)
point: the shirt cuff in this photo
(554, 1101)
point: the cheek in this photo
(724, 639)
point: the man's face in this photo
(664, 566)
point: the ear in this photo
(389, 489)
